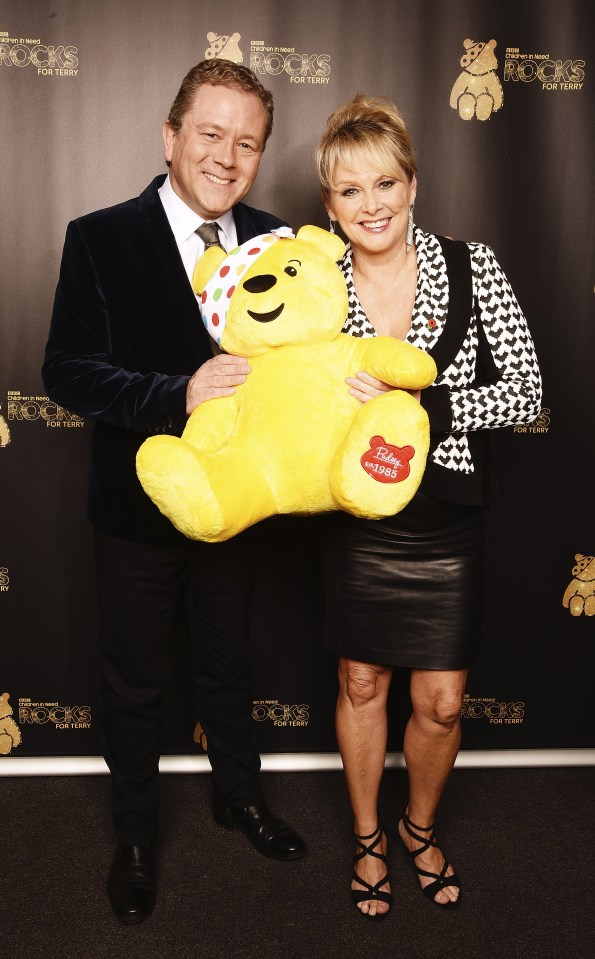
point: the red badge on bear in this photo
(387, 463)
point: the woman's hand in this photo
(217, 377)
(365, 387)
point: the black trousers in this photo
(140, 588)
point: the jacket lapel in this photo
(167, 262)
(246, 228)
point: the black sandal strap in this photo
(433, 875)
(369, 850)
(372, 834)
(375, 889)
(361, 896)
(408, 822)
(435, 887)
(368, 890)
(440, 879)
(426, 841)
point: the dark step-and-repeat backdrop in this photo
(83, 92)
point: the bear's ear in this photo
(328, 243)
(210, 261)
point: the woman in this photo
(407, 591)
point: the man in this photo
(127, 348)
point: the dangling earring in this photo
(409, 239)
(331, 225)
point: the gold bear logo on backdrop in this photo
(224, 48)
(200, 737)
(10, 734)
(4, 432)
(477, 91)
(579, 596)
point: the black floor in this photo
(521, 840)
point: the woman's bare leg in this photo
(361, 734)
(432, 740)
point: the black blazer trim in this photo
(481, 486)
(460, 301)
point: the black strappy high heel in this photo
(370, 892)
(440, 879)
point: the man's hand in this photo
(365, 387)
(216, 377)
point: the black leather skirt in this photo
(406, 590)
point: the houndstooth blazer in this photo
(467, 317)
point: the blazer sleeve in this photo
(79, 370)
(508, 389)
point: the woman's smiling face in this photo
(372, 208)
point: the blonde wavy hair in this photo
(369, 125)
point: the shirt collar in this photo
(184, 222)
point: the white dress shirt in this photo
(184, 223)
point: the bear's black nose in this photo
(260, 284)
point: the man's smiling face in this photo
(214, 157)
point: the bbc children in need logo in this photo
(552, 74)
(35, 713)
(477, 91)
(49, 60)
(22, 408)
(271, 59)
(499, 713)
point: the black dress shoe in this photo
(131, 884)
(270, 836)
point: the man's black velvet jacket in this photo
(125, 337)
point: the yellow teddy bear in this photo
(291, 439)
